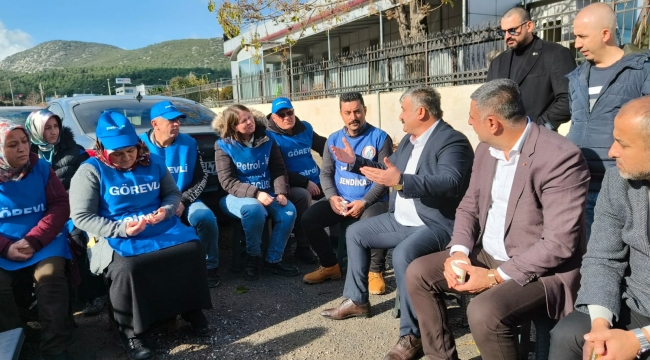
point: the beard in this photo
(642, 175)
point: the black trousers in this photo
(320, 215)
(567, 336)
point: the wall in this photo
(324, 116)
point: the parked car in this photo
(17, 113)
(81, 113)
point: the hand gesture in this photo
(313, 189)
(478, 279)
(264, 198)
(388, 177)
(345, 155)
(133, 228)
(450, 274)
(281, 199)
(156, 217)
(355, 208)
(335, 204)
(24, 247)
(610, 344)
(14, 252)
(180, 209)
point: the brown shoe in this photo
(408, 347)
(376, 283)
(347, 309)
(323, 273)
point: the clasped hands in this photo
(133, 228)
(387, 177)
(477, 277)
(610, 344)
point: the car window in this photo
(17, 115)
(56, 109)
(87, 113)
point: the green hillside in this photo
(67, 67)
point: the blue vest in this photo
(130, 196)
(351, 186)
(180, 157)
(252, 163)
(296, 152)
(22, 205)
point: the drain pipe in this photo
(378, 110)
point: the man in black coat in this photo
(539, 68)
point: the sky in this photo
(128, 24)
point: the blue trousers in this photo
(203, 220)
(409, 243)
(253, 217)
(592, 197)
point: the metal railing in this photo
(449, 58)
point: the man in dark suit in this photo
(429, 174)
(539, 68)
(520, 229)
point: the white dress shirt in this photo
(495, 226)
(405, 212)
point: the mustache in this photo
(354, 122)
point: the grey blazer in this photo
(545, 220)
(616, 267)
(441, 176)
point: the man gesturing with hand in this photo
(429, 173)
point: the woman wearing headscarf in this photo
(55, 144)
(252, 171)
(33, 211)
(126, 201)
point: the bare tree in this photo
(235, 16)
(32, 99)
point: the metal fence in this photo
(449, 58)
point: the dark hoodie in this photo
(318, 144)
(67, 157)
(228, 171)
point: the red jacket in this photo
(54, 219)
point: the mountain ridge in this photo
(64, 54)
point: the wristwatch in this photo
(400, 184)
(492, 278)
(645, 345)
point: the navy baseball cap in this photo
(115, 131)
(166, 110)
(280, 103)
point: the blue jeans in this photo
(253, 217)
(203, 220)
(409, 243)
(592, 196)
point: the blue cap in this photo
(115, 131)
(280, 103)
(166, 110)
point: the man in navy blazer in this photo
(429, 174)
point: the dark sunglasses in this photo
(512, 31)
(285, 114)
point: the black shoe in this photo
(136, 349)
(200, 325)
(252, 270)
(282, 269)
(305, 255)
(213, 278)
(62, 356)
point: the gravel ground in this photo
(273, 318)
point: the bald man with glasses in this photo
(539, 68)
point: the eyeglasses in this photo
(512, 31)
(285, 114)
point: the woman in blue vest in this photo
(55, 144)
(126, 200)
(33, 211)
(252, 171)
